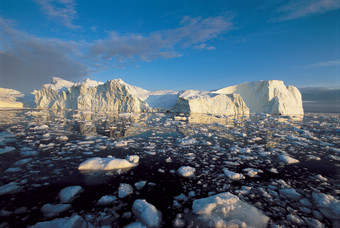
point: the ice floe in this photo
(98, 163)
(147, 213)
(68, 194)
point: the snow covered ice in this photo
(101, 169)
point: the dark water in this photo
(217, 142)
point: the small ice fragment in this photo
(10, 188)
(69, 222)
(68, 194)
(124, 190)
(288, 160)
(6, 149)
(139, 185)
(106, 200)
(232, 175)
(186, 171)
(50, 210)
(290, 193)
(147, 213)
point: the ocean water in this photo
(41, 151)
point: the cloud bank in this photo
(34, 60)
(294, 9)
(321, 99)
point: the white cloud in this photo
(193, 33)
(294, 9)
(61, 11)
(329, 63)
(34, 60)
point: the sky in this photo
(175, 45)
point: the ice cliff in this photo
(192, 101)
(271, 97)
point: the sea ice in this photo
(106, 200)
(226, 207)
(147, 213)
(10, 188)
(140, 184)
(328, 205)
(288, 160)
(98, 163)
(290, 193)
(232, 175)
(68, 222)
(68, 194)
(50, 210)
(186, 171)
(124, 190)
(7, 149)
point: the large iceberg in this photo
(192, 101)
(271, 97)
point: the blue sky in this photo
(174, 44)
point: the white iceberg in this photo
(271, 97)
(106, 200)
(227, 209)
(147, 213)
(68, 194)
(98, 163)
(124, 190)
(186, 171)
(232, 175)
(288, 160)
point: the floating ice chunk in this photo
(62, 138)
(288, 160)
(50, 210)
(13, 170)
(70, 222)
(28, 153)
(98, 163)
(42, 127)
(10, 188)
(135, 225)
(68, 194)
(328, 205)
(186, 171)
(251, 172)
(147, 213)
(290, 193)
(124, 190)
(121, 144)
(225, 208)
(295, 219)
(23, 161)
(106, 200)
(336, 150)
(232, 175)
(313, 223)
(181, 197)
(132, 158)
(186, 142)
(139, 185)
(7, 149)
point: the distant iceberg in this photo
(271, 97)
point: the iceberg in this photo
(98, 163)
(226, 209)
(193, 101)
(271, 97)
(147, 213)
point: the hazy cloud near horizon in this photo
(321, 99)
